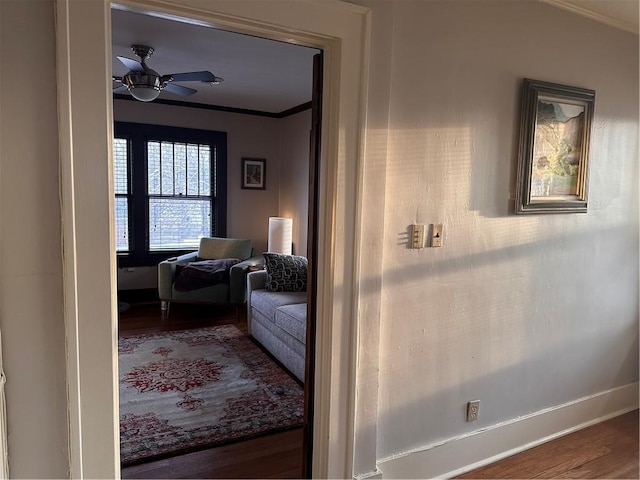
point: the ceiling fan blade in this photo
(180, 90)
(203, 76)
(132, 65)
(120, 89)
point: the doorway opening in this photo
(282, 140)
(85, 138)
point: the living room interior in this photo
(258, 110)
(536, 316)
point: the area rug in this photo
(192, 389)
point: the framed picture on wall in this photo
(254, 173)
(555, 128)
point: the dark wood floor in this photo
(606, 450)
(147, 318)
(270, 456)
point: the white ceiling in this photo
(259, 74)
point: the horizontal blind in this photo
(121, 187)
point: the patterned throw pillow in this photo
(285, 273)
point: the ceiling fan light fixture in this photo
(143, 86)
(144, 93)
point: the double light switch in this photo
(418, 233)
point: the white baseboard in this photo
(461, 454)
(375, 475)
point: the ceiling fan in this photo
(145, 84)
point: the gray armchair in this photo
(232, 293)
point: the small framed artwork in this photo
(254, 173)
(553, 157)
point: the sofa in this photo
(278, 320)
(230, 290)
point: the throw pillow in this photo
(285, 273)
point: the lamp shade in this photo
(280, 235)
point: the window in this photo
(179, 191)
(121, 187)
(170, 190)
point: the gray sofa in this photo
(278, 321)
(231, 293)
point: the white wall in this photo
(521, 312)
(294, 175)
(30, 249)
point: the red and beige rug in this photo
(186, 390)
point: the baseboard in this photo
(375, 475)
(139, 295)
(464, 453)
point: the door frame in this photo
(83, 34)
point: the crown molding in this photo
(205, 106)
(598, 17)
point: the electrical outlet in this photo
(473, 408)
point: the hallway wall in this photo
(522, 312)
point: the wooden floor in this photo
(147, 318)
(270, 456)
(606, 450)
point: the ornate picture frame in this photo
(254, 173)
(553, 155)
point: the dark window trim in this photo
(137, 135)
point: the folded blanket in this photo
(204, 273)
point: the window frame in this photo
(137, 136)
(126, 195)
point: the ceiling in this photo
(259, 74)
(266, 75)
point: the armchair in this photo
(231, 293)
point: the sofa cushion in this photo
(293, 320)
(267, 302)
(288, 351)
(268, 325)
(213, 248)
(285, 273)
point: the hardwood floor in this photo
(271, 456)
(606, 450)
(147, 318)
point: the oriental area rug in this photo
(193, 389)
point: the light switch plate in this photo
(417, 235)
(437, 232)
